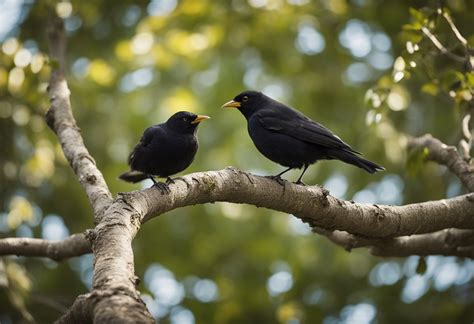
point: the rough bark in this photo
(80, 312)
(447, 242)
(75, 245)
(312, 204)
(446, 155)
(114, 298)
(60, 119)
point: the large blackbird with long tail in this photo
(291, 139)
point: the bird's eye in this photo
(185, 119)
(245, 98)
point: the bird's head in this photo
(247, 102)
(185, 121)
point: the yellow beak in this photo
(199, 119)
(231, 104)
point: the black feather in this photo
(164, 149)
(286, 136)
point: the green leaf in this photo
(470, 78)
(417, 15)
(411, 33)
(54, 63)
(430, 88)
(415, 160)
(452, 80)
(413, 26)
(470, 41)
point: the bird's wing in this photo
(146, 139)
(293, 123)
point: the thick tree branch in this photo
(312, 204)
(114, 295)
(81, 311)
(75, 245)
(446, 155)
(114, 273)
(85, 309)
(446, 242)
(60, 119)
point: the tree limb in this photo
(455, 30)
(116, 299)
(85, 309)
(440, 46)
(446, 155)
(60, 119)
(75, 245)
(447, 242)
(80, 312)
(312, 204)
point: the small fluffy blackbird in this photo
(165, 149)
(291, 139)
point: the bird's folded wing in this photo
(301, 127)
(146, 139)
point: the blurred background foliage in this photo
(361, 67)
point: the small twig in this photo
(441, 47)
(466, 143)
(455, 30)
(460, 38)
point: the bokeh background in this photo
(132, 64)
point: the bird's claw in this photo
(162, 187)
(278, 179)
(169, 180)
(301, 183)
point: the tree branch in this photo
(85, 309)
(466, 143)
(80, 312)
(60, 119)
(447, 242)
(75, 245)
(455, 30)
(459, 37)
(312, 204)
(446, 155)
(116, 299)
(440, 46)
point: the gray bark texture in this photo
(443, 227)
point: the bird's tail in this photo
(133, 176)
(351, 158)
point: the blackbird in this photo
(291, 139)
(165, 149)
